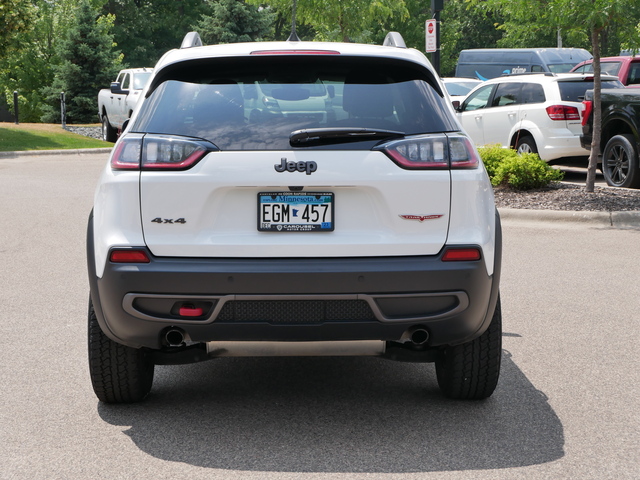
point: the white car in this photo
(459, 88)
(359, 221)
(538, 113)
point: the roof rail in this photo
(394, 39)
(191, 39)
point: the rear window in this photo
(574, 91)
(140, 80)
(609, 68)
(460, 88)
(257, 103)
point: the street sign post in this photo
(436, 7)
(430, 35)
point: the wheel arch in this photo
(617, 126)
(525, 129)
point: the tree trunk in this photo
(596, 129)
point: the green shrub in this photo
(492, 156)
(518, 171)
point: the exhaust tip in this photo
(174, 337)
(416, 335)
(419, 336)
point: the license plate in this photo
(295, 212)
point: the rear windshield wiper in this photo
(315, 136)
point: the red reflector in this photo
(129, 256)
(588, 107)
(461, 255)
(295, 52)
(190, 311)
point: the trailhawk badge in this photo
(420, 218)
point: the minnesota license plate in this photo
(295, 212)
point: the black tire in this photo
(526, 144)
(119, 374)
(109, 134)
(470, 371)
(620, 162)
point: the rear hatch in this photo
(253, 162)
(572, 90)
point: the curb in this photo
(78, 151)
(630, 219)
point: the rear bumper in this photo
(294, 299)
(560, 146)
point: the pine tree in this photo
(89, 62)
(231, 21)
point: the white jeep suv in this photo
(534, 113)
(293, 198)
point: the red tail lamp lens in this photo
(563, 112)
(461, 255)
(126, 155)
(158, 152)
(129, 256)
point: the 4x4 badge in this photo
(420, 218)
(285, 166)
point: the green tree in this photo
(15, 18)
(462, 25)
(337, 20)
(145, 29)
(231, 21)
(29, 66)
(88, 62)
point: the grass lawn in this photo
(43, 136)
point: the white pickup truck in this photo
(115, 104)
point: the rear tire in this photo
(119, 374)
(109, 134)
(470, 371)
(526, 144)
(620, 162)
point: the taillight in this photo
(461, 254)
(586, 113)
(563, 112)
(171, 153)
(158, 152)
(126, 154)
(432, 152)
(129, 256)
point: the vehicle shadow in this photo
(361, 415)
(575, 171)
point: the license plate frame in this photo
(296, 205)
